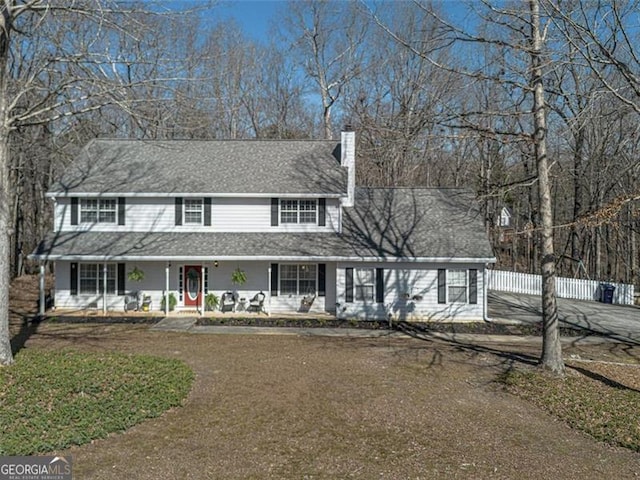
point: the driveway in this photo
(286, 407)
(620, 322)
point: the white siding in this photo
(410, 293)
(219, 281)
(228, 215)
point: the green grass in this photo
(608, 413)
(52, 400)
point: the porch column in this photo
(202, 289)
(41, 307)
(269, 291)
(104, 288)
(167, 266)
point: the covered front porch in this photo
(192, 287)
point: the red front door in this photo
(192, 285)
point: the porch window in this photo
(91, 278)
(298, 211)
(298, 279)
(193, 211)
(365, 279)
(457, 285)
(98, 210)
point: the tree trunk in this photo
(6, 356)
(551, 348)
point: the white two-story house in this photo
(286, 213)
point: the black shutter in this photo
(274, 211)
(120, 280)
(121, 210)
(442, 285)
(322, 212)
(274, 279)
(348, 285)
(73, 270)
(178, 210)
(322, 279)
(473, 286)
(379, 285)
(207, 212)
(74, 211)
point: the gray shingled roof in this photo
(385, 223)
(222, 167)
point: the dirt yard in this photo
(294, 407)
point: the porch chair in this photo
(256, 304)
(132, 302)
(228, 302)
(307, 301)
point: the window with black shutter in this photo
(121, 210)
(348, 285)
(274, 279)
(442, 285)
(473, 286)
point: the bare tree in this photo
(58, 61)
(516, 35)
(327, 40)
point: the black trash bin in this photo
(606, 292)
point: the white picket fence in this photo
(531, 284)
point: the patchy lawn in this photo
(601, 399)
(313, 407)
(52, 400)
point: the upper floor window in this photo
(193, 211)
(298, 211)
(100, 210)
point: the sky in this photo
(254, 16)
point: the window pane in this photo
(88, 210)
(288, 287)
(107, 213)
(365, 276)
(307, 211)
(364, 283)
(193, 211)
(111, 279)
(288, 279)
(88, 278)
(288, 211)
(289, 217)
(457, 294)
(364, 293)
(307, 276)
(457, 278)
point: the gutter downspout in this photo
(485, 290)
(104, 288)
(166, 288)
(269, 291)
(41, 307)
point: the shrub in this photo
(172, 302)
(211, 301)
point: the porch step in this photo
(174, 324)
